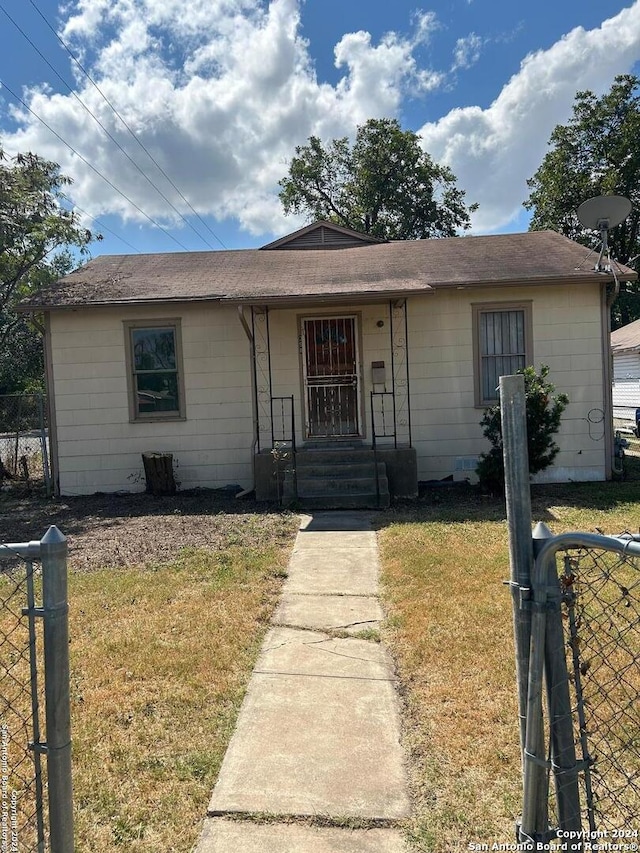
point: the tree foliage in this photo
(37, 235)
(596, 153)
(544, 412)
(384, 185)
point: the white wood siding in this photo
(626, 381)
(626, 365)
(446, 431)
(626, 392)
(100, 450)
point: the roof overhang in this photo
(292, 300)
(359, 298)
(284, 301)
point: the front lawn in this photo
(449, 625)
(169, 600)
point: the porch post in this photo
(262, 357)
(398, 322)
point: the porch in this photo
(332, 406)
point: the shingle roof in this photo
(626, 338)
(283, 275)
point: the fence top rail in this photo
(549, 547)
(51, 543)
(26, 550)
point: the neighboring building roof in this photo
(281, 275)
(627, 338)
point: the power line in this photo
(104, 129)
(104, 227)
(129, 130)
(93, 168)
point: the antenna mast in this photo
(601, 214)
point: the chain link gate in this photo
(576, 606)
(22, 785)
(34, 643)
(585, 647)
(601, 610)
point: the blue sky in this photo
(216, 94)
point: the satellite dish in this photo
(604, 211)
(601, 214)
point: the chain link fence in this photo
(35, 744)
(581, 760)
(576, 617)
(601, 615)
(24, 441)
(22, 816)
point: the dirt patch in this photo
(135, 529)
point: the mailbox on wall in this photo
(378, 373)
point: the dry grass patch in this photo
(450, 628)
(160, 658)
(159, 662)
(169, 601)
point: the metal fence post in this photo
(53, 550)
(518, 503)
(43, 445)
(563, 750)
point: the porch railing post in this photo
(53, 551)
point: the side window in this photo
(154, 363)
(502, 346)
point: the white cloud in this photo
(467, 51)
(425, 24)
(220, 96)
(493, 151)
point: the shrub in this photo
(544, 411)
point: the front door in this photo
(331, 377)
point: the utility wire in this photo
(93, 168)
(129, 130)
(105, 130)
(104, 227)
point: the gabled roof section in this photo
(626, 339)
(364, 272)
(323, 235)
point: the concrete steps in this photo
(337, 477)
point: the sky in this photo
(176, 119)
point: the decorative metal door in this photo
(331, 377)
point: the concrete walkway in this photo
(317, 744)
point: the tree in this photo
(544, 411)
(37, 234)
(596, 153)
(384, 185)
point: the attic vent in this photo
(323, 238)
(323, 235)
